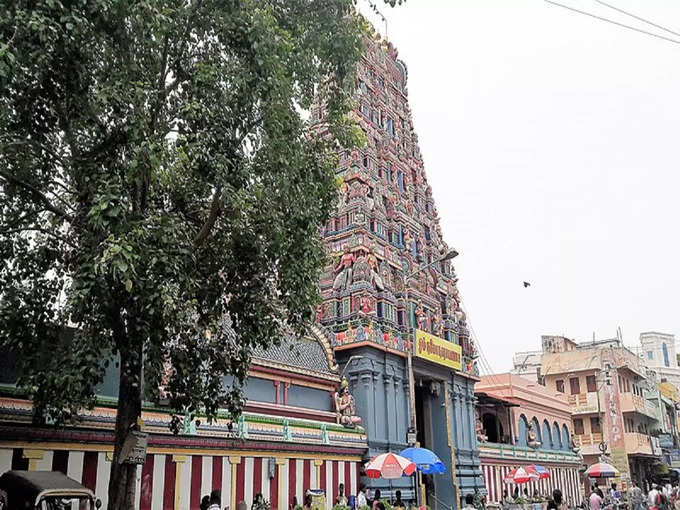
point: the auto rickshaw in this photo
(44, 490)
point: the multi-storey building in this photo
(606, 389)
(390, 300)
(520, 422)
(657, 353)
(527, 364)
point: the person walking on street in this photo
(215, 500)
(654, 498)
(361, 498)
(376, 499)
(557, 503)
(636, 497)
(595, 501)
(469, 502)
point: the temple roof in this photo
(312, 354)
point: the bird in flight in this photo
(526, 284)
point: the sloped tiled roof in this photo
(305, 353)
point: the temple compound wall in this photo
(287, 441)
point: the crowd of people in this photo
(659, 497)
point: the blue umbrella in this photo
(426, 460)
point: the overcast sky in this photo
(552, 145)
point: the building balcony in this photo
(583, 403)
(641, 444)
(526, 455)
(589, 443)
(631, 403)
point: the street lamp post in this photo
(450, 254)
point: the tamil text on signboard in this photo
(438, 350)
(134, 448)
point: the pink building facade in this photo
(519, 423)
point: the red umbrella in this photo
(389, 465)
(602, 470)
(539, 470)
(521, 475)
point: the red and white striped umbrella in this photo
(389, 465)
(602, 470)
(521, 475)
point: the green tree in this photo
(161, 193)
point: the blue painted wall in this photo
(310, 398)
(260, 390)
(379, 383)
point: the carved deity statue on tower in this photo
(345, 407)
(344, 270)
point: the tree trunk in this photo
(122, 482)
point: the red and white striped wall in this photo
(171, 481)
(564, 478)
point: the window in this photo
(574, 386)
(390, 127)
(559, 385)
(650, 354)
(666, 361)
(578, 426)
(595, 425)
(591, 384)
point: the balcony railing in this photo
(583, 403)
(523, 453)
(589, 443)
(631, 403)
(637, 443)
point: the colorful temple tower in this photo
(390, 301)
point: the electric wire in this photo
(601, 18)
(639, 18)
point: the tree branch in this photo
(212, 217)
(38, 195)
(38, 229)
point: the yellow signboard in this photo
(438, 350)
(669, 391)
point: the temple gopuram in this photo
(390, 300)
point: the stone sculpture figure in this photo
(361, 270)
(479, 429)
(376, 279)
(345, 407)
(532, 438)
(344, 270)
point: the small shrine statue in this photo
(421, 316)
(376, 279)
(572, 444)
(345, 407)
(438, 326)
(344, 270)
(479, 429)
(532, 438)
